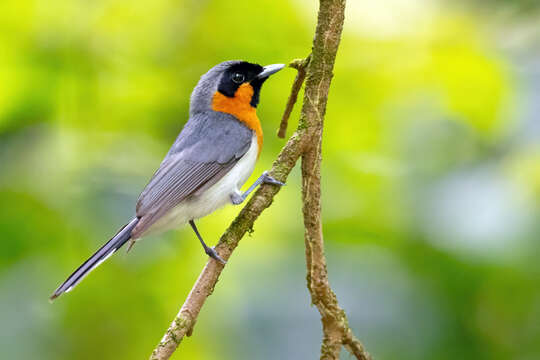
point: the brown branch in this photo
(305, 142)
(336, 331)
(300, 65)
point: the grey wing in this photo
(209, 145)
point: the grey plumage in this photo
(209, 144)
(201, 97)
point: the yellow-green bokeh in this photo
(431, 179)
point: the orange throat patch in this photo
(240, 107)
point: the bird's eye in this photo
(238, 77)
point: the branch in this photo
(300, 65)
(336, 331)
(305, 142)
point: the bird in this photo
(205, 168)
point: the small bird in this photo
(212, 157)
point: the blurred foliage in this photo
(431, 179)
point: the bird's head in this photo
(231, 84)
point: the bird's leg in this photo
(208, 250)
(238, 198)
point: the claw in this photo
(131, 243)
(214, 255)
(270, 180)
(236, 198)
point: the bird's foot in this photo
(237, 198)
(214, 255)
(267, 179)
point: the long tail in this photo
(95, 260)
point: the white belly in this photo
(212, 198)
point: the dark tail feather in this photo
(99, 256)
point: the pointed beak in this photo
(269, 70)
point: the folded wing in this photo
(207, 148)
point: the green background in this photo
(431, 179)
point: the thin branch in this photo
(300, 65)
(336, 331)
(354, 346)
